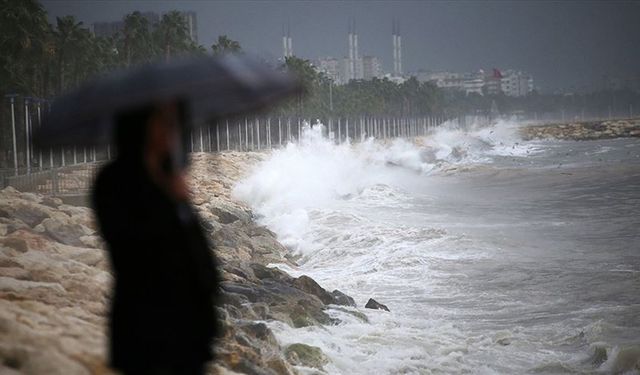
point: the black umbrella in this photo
(212, 88)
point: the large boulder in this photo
(306, 355)
(373, 304)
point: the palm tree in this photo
(68, 40)
(136, 39)
(172, 34)
(23, 35)
(225, 45)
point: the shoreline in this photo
(55, 282)
(583, 130)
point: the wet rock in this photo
(306, 355)
(373, 304)
(599, 355)
(309, 285)
(584, 130)
(54, 278)
(224, 217)
(357, 314)
(262, 272)
(340, 298)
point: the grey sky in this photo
(563, 44)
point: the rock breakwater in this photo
(584, 130)
(55, 282)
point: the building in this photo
(354, 68)
(440, 79)
(192, 24)
(516, 83)
(493, 83)
(371, 68)
(110, 29)
(397, 48)
(339, 70)
(287, 43)
(472, 83)
(509, 82)
(332, 68)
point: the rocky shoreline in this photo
(55, 283)
(584, 130)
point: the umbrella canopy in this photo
(210, 87)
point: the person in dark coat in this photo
(162, 318)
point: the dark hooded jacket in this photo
(166, 283)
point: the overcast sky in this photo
(562, 44)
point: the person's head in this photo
(152, 138)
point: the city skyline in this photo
(558, 43)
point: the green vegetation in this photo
(43, 60)
(225, 45)
(379, 97)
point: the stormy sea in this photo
(494, 255)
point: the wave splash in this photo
(317, 173)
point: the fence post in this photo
(209, 136)
(75, 155)
(54, 184)
(227, 124)
(13, 133)
(279, 132)
(217, 136)
(258, 132)
(239, 135)
(63, 159)
(84, 154)
(26, 132)
(346, 129)
(39, 125)
(269, 133)
(201, 143)
(246, 134)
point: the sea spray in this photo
(316, 172)
(478, 276)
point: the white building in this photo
(472, 83)
(331, 67)
(371, 68)
(192, 24)
(516, 83)
(509, 82)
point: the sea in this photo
(495, 255)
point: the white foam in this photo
(341, 207)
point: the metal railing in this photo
(71, 170)
(70, 180)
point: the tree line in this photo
(43, 60)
